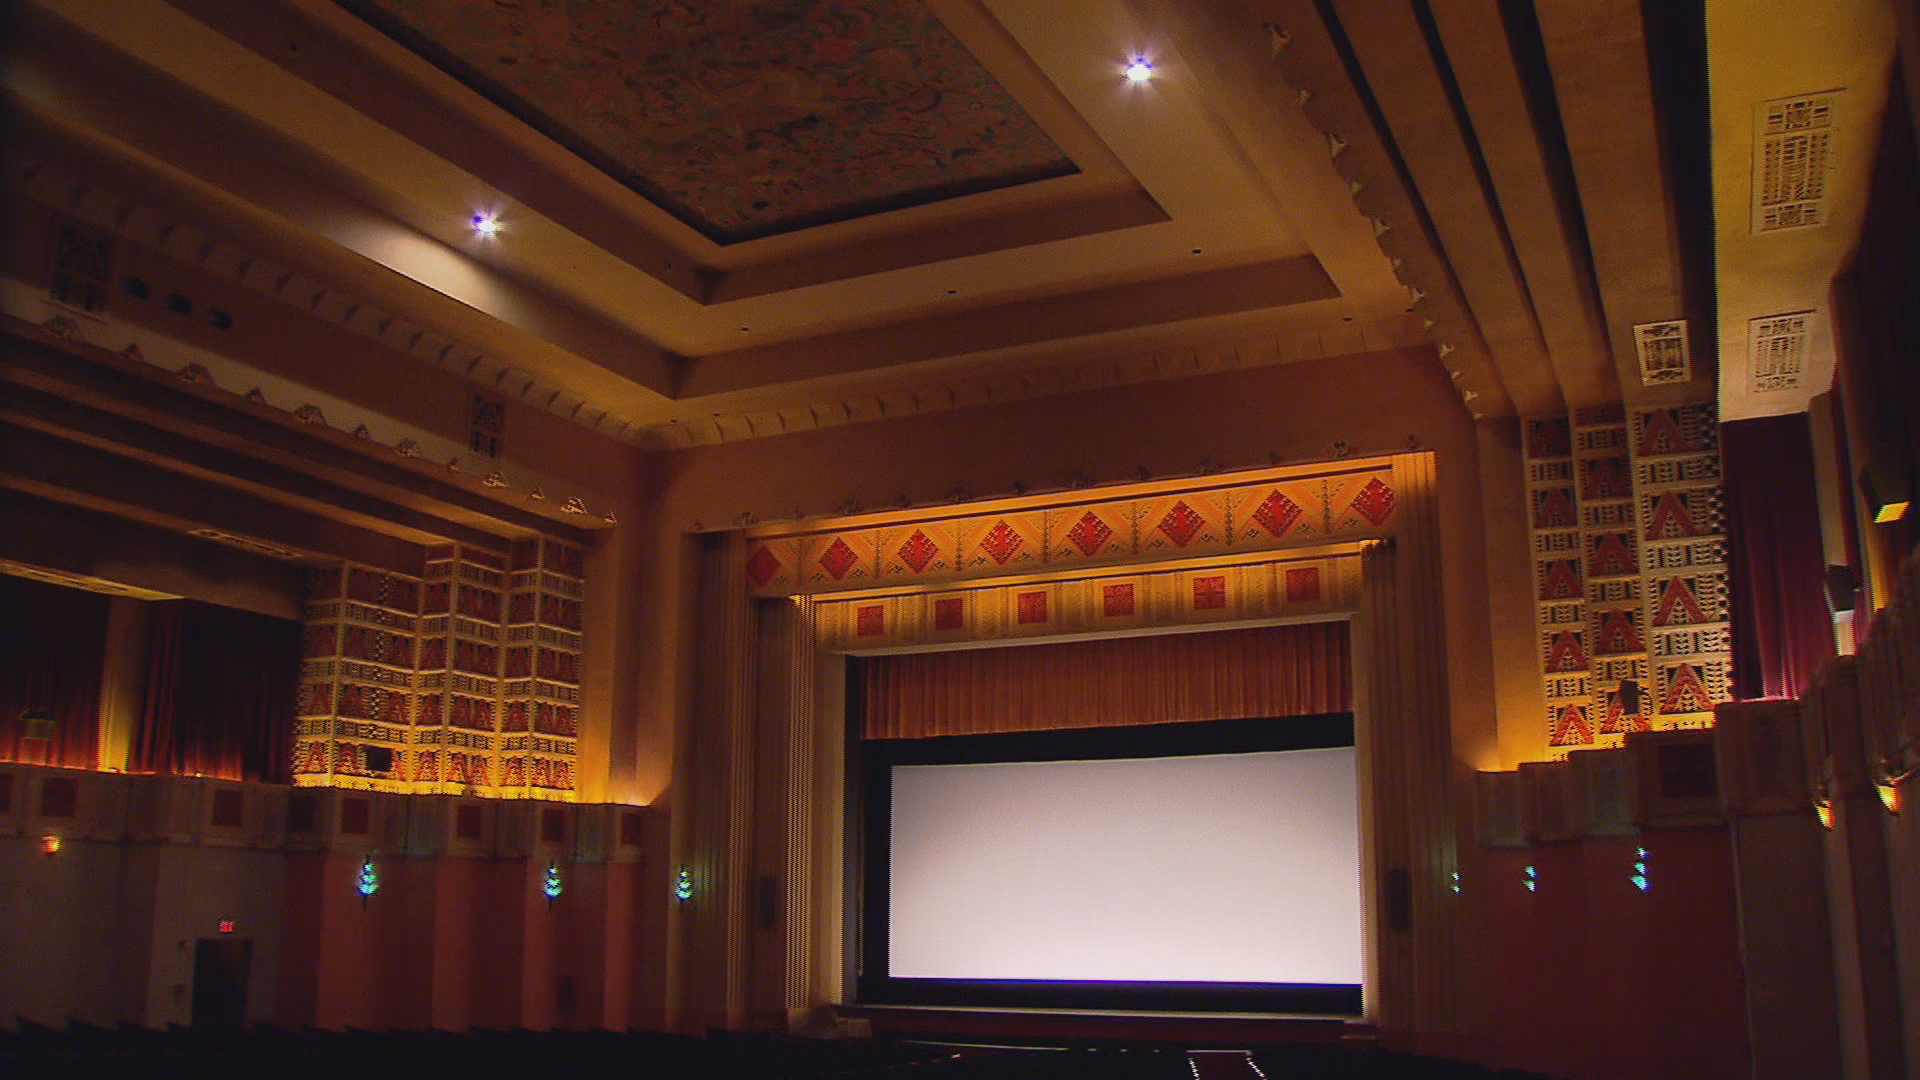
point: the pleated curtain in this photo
(1293, 670)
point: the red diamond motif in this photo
(838, 559)
(949, 613)
(1089, 533)
(918, 551)
(1375, 502)
(762, 566)
(1117, 599)
(1001, 542)
(1277, 513)
(1181, 523)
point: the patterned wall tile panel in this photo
(465, 681)
(1680, 524)
(1554, 477)
(358, 702)
(1211, 516)
(1609, 546)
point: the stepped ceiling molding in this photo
(730, 221)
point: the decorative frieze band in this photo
(1271, 510)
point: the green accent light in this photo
(551, 886)
(1455, 883)
(369, 878)
(1532, 881)
(1639, 877)
(683, 885)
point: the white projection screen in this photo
(1218, 868)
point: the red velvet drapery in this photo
(1259, 671)
(52, 650)
(220, 693)
(1781, 626)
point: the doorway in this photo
(220, 969)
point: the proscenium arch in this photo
(770, 691)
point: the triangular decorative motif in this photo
(1618, 635)
(1561, 580)
(1611, 556)
(1604, 478)
(1670, 518)
(1553, 509)
(1661, 434)
(1678, 598)
(1571, 726)
(1685, 692)
(1566, 653)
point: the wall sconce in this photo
(1823, 808)
(1885, 485)
(1889, 781)
(369, 880)
(50, 845)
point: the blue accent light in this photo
(369, 878)
(683, 885)
(1455, 883)
(1639, 877)
(551, 886)
(1532, 878)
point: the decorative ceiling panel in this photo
(743, 119)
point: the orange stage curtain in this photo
(53, 643)
(1294, 670)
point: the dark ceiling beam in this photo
(1602, 77)
(80, 387)
(1536, 203)
(1312, 61)
(43, 464)
(1414, 98)
(1235, 290)
(197, 158)
(89, 543)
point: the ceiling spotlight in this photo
(486, 224)
(1139, 70)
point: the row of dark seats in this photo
(1309, 1061)
(271, 1053)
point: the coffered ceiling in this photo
(723, 221)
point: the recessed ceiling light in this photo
(1139, 70)
(486, 224)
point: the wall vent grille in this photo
(1662, 350)
(1793, 147)
(1777, 351)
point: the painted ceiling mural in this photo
(744, 118)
